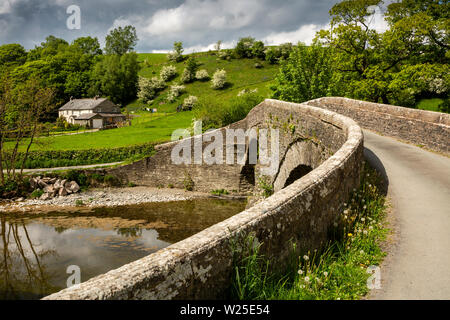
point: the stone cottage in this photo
(95, 113)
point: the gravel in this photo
(106, 198)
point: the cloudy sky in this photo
(197, 23)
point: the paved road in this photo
(418, 265)
(69, 168)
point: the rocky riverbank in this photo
(104, 198)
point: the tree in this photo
(307, 74)
(258, 50)
(116, 77)
(12, 55)
(21, 110)
(177, 54)
(88, 45)
(385, 67)
(121, 40)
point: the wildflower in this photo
(306, 279)
(300, 271)
(345, 204)
(365, 207)
(338, 298)
(306, 257)
(345, 211)
(361, 251)
(363, 219)
(325, 274)
(350, 234)
(367, 175)
(365, 232)
(370, 227)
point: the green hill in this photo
(157, 127)
(241, 74)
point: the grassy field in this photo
(158, 127)
(145, 128)
(429, 104)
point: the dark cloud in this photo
(198, 23)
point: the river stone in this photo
(57, 184)
(74, 187)
(62, 192)
(45, 196)
(33, 183)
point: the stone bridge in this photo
(320, 156)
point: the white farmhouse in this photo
(93, 113)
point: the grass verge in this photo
(337, 271)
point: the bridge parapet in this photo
(420, 127)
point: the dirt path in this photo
(418, 264)
(73, 167)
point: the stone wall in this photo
(200, 267)
(421, 127)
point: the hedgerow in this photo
(62, 158)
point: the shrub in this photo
(219, 79)
(37, 193)
(174, 92)
(189, 102)
(187, 76)
(223, 54)
(202, 75)
(192, 65)
(167, 73)
(218, 113)
(244, 47)
(188, 182)
(149, 88)
(266, 187)
(77, 176)
(111, 180)
(445, 106)
(219, 192)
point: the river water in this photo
(37, 249)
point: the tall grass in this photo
(337, 271)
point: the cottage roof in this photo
(111, 115)
(84, 104)
(86, 116)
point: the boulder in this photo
(74, 187)
(42, 184)
(49, 188)
(45, 196)
(34, 183)
(62, 192)
(57, 184)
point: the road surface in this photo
(418, 263)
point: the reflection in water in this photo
(37, 249)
